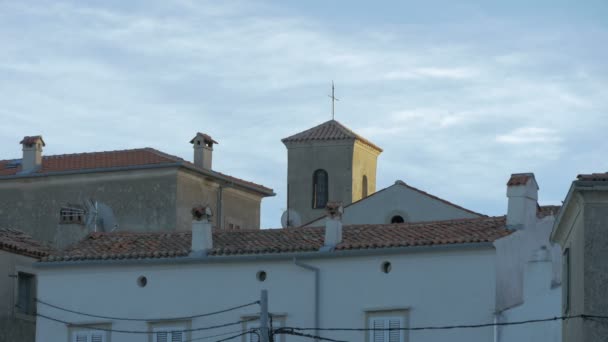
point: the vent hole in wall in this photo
(142, 281)
(386, 267)
(261, 276)
(397, 219)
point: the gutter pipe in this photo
(316, 270)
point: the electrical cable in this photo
(92, 327)
(223, 334)
(233, 337)
(146, 319)
(286, 331)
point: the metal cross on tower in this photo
(333, 100)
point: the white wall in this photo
(439, 288)
(398, 199)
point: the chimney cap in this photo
(201, 213)
(206, 138)
(518, 179)
(32, 140)
(334, 210)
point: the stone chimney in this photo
(203, 150)
(538, 273)
(32, 153)
(522, 192)
(333, 225)
(202, 237)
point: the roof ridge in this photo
(440, 199)
(53, 156)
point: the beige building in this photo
(328, 162)
(581, 230)
(61, 198)
(18, 252)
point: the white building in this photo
(360, 276)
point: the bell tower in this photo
(328, 163)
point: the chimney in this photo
(32, 153)
(202, 237)
(538, 274)
(522, 191)
(203, 150)
(333, 225)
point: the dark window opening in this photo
(71, 215)
(25, 294)
(397, 219)
(386, 267)
(261, 275)
(364, 187)
(319, 189)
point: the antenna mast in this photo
(333, 100)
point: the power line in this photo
(462, 326)
(92, 327)
(286, 331)
(234, 336)
(223, 334)
(147, 319)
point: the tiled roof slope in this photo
(117, 160)
(595, 177)
(18, 242)
(329, 130)
(547, 210)
(126, 245)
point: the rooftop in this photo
(116, 161)
(18, 242)
(594, 177)
(329, 130)
(127, 245)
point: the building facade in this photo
(580, 230)
(362, 276)
(18, 284)
(61, 198)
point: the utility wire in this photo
(223, 334)
(234, 336)
(462, 326)
(147, 319)
(92, 327)
(286, 331)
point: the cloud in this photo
(530, 135)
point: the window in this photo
(25, 293)
(71, 214)
(89, 335)
(169, 334)
(364, 187)
(397, 219)
(383, 321)
(566, 281)
(319, 189)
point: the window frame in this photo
(72, 214)
(169, 326)
(73, 330)
(402, 314)
(317, 175)
(16, 311)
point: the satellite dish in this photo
(290, 218)
(99, 217)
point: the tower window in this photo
(364, 187)
(397, 219)
(319, 189)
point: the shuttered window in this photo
(169, 334)
(89, 336)
(382, 326)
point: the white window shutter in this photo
(395, 335)
(177, 336)
(81, 338)
(378, 335)
(160, 336)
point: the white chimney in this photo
(538, 274)
(202, 237)
(333, 225)
(32, 153)
(203, 150)
(522, 191)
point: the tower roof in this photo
(329, 130)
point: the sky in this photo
(458, 94)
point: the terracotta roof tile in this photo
(31, 140)
(595, 177)
(519, 179)
(126, 245)
(117, 159)
(329, 130)
(18, 242)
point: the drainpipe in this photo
(496, 320)
(317, 290)
(220, 222)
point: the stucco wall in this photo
(365, 161)
(349, 287)
(304, 159)
(13, 326)
(237, 205)
(595, 265)
(141, 200)
(398, 200)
